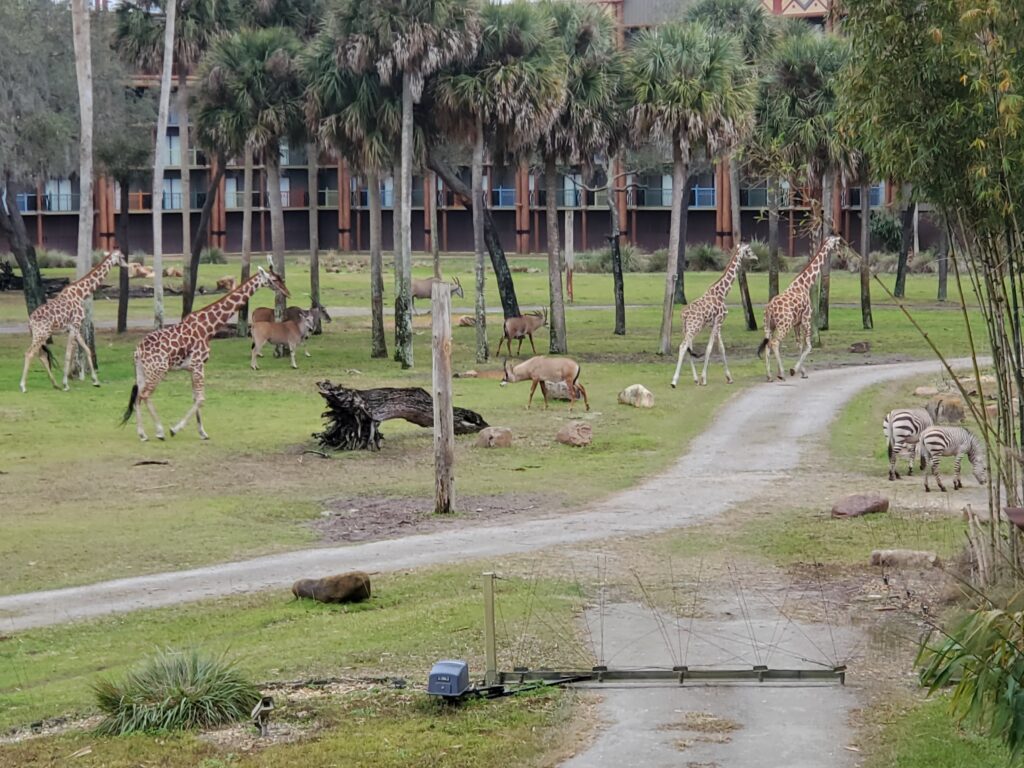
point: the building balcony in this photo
(327, 198)
(662, 197)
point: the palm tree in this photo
(405, 41)
(588, 123)
(687, 85)
(140, 41)
(751, 24)
(250, 100)
(802, 112)
(515, 87)
(360, 118)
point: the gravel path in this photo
(760, 437)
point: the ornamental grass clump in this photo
(175, 690)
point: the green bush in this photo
(884, 261)
(924, 263)
(654, 262)
(47, 259)
(138, 258)
(760, 249)
(600, 261)
(887, 230)
(212, 256)
(172, 691)
(705, 258)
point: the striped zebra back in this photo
(903, 425)
(951, 441)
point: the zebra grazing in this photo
(937, 442)
(902, 428)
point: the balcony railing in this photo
(294, 198)
(361, 198)
(503, 197)
(27, 202)
(172, 201)
(67, 202)
(328, 198)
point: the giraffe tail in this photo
(48, 353)
(761, 348)
(131, 405)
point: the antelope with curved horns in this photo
(540, 369)
(421, 289)
(522, 327)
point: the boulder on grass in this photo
(638, 396)
(467, 321)
(946, 409)
(926, 392)
(494, 437)
(576, 433)
(905, 558)
(558, 390)
(860, 347)
(860, 504)
(351, 587)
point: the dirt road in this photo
(759, 438)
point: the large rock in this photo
(558, 390)
(638, 396)
(860, 347)
(946, 409)
(351, 587)
(577, 433)
(926, 392)
(905, 558)
(860, 504)
(494, 437)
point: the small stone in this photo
(860, 347)
(470, 374)
(351, 587)
(905, 558)
(532, 271)
(860, 504)
(494, 437)
(467, 321)
(926, 392)
(637, 395)
(575, 433)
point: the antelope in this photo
(421, 289)
(295, 314)
(289, 332)
(540, 369)
(520, 328)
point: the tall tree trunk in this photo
(83, 75)
(243, 311)
(773, 236)
(570, 248)
(312, 185)
(170, 11)
(826, 265)
(435, 233)
(379, 344)
(684, 228)
(502, 274)
(13, 227)
(942, 256)
(680, 172)
(191, 271)
(906, 240)
(865, 256)
(396, 239)
(558, 344)
(122, 242)
(403, 299)
(613, 218)
(272, 161)
(186, 183)
(479, 205)
(737, 238)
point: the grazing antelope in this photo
(937, 442)
(522, 327)
(289, 332)
(421, 289)
(902, 428)
(540, 369)
(295, 314)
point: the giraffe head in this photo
(833, 244)
(268, 277)
(746, 254)
(117, 259)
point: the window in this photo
(171, 149)
(59, 196)
(172, 194)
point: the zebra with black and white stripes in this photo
(937, 442)
(902, 428)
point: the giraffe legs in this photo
(805, 333)
(683, 349)
(88, 356)
(197, 402)
(67, 358)
(725, 363)
(774, 348)
(707, 357)
(34, 351)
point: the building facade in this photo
(515, 194)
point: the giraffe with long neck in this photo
(710, 309)
(186, 346)
(791, 311)
(65, 312)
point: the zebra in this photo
(937, 442)
(902, 428)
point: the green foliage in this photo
(981, 656)
(763, 253)
(212, 256)
(886, 228)
(705, 257)
(175, 690)
(51, 259)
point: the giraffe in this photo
(65, 312)
(186, 346)
(710, 309)
(791, 310)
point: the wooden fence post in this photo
(444, 427)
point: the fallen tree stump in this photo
(353, 416)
